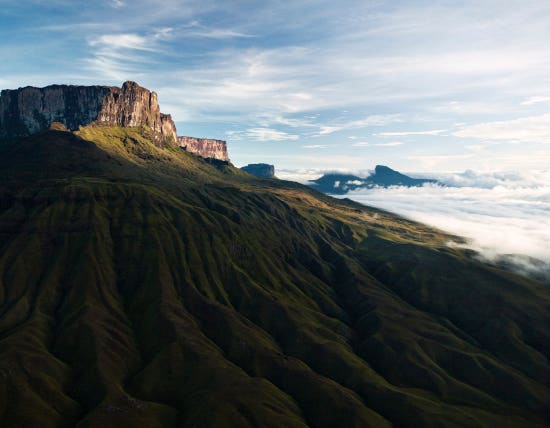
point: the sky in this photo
(312, 85)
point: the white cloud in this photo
(503, 213)
(406, 133)
(439, 162)
(117, 4)
(526, 129)
(123, 41)
(535, 100)
(303, 175)
(124, 55)
(372, 120)
(471, 108)
(269, 134)
(196, 29)
(325, 130)
(388, 144)
(316, 146)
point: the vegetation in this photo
(142, 287)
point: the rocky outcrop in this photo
(206, 148)
(29, 110)
(262, 170)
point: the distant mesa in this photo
(383, 176)
(262, 170)
(29, 110)
(204, 147)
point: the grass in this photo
(141, 286)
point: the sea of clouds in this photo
(505, 216)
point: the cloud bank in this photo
(500, 213)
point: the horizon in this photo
(312, 85)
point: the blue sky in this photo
(312, 85)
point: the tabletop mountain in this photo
(262, 170)
(140, 286)
(205, 147)
(26, 111)
(383, 176)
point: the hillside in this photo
(140, 286)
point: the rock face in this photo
(262, 170)
(206, 148)
(29, 110)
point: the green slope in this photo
(142, 287)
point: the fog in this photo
(499, 213)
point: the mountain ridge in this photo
(30, 110)
(383, 176)
(26, 111)
(150, 288)
(141, 285)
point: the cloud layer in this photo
(506, 213)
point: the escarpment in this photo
(29, 110)
(262, 170)
(204, 147)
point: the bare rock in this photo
(206, 148)
(29, 110)
(262, 170)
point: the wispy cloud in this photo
(123, 41)
(535, 100)
(406, 133)
(117, 4)
(216, 33)
(121, 55)
(316, 146)
(388, 144)
(197, 29)
(325, 130)
(439, 162)
(269, 134)
(526, 129)
(373, 120)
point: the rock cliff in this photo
(262, 170)
(29, 110)
(206, 148)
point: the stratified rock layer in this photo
(29, 110)
(262, 170)
(204, 147)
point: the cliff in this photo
(262, 170)
(26, 111)
(206, 148)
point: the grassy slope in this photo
(140, 286)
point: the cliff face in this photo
(262, 170)
(206, 148)
(29, 110)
